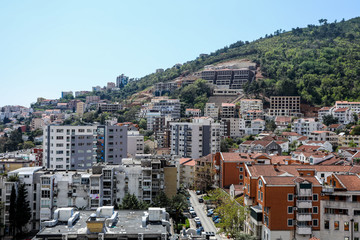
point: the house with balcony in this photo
(340, 207)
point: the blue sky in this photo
(50, 46)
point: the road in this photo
(199, 208)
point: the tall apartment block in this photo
(122, 81)
(194, 140)
(284, 106)
(79, 147)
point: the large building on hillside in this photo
(228, 78)
(284, 106)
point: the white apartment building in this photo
(79, 147)
(135, 143)
(344, 115)
(250, 104)
(211, 110)
(304, 126)
(194, 140)
(353, 106)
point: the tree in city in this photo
(143, 123)
(147, 149)
(161, 200)
(329, 119)
(130, 201)
(19, 210)
(270, 125)
(178, 204)
(355, 130)
(12, 211)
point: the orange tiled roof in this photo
(350, 182)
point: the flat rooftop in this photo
(129, 224)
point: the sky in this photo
(51, 46)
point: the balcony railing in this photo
(303, 229)
(304, 204)
(303, 217)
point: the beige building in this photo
(345, 140)
(328, 136)
(37, 123)
(170, 181)
(187, 172)
(80, 108)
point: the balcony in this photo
(256, 214)
(248, 201)
(148, 188)
(303, 230)
(303, 192)
(303, 217)
(327, 189)
(304, 204)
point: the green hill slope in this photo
(320, 63)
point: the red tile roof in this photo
(350, 182)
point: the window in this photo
(261, 194)
(258, 195)
(315, 210)
(356, 226)
(45, 193)
(336, 225)
(290, 197)
(326, 224)
(59, 137)
(315, 222)
(346, 226)
(241, 176)
(290, 210)
(241, 169)
(290, 222)
(315, 197)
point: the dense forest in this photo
(320, 63)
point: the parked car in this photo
(210, 212)
(191, 209)
(198, 224)
(193, 213)
(217, 220)
(198, 192)
(215, 217)
(201, 200)
(197, 219)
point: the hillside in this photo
(320, 63)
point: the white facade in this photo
(194, 139)
(211, 110)
(135, 143)
(304, 126)
(250, 104)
